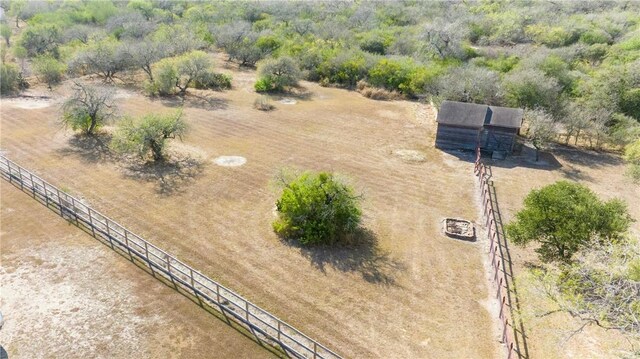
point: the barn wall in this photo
(454, 137)
(498, 138)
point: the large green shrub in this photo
(566, 217)
(277, 74)
(317, 208)
(49, 70)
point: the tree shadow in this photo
(588, 158)
(169, 176)
(90, 148)
(575, 174)
(361, 255)
(195, 100)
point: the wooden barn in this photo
(462, 126)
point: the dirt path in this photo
(65, 295)
(411, 293)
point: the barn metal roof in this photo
(477, 115)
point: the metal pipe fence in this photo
(265, 326)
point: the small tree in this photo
(566, 217)
(105, 58)
(317, 208)
(277, 74)
(49, 70)
(144, 53)
(88, 108)
(149, 134)
(181, 72)
(191, 67)
(632, 157)
(41, 40)
(542, 129)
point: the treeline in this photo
(579, 62)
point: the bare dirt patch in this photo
(410, 155)
(288, 101)
(28, 103)
(65, 295)
(230, 161)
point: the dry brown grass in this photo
(376, 93)
(65, 295)
(409, 292)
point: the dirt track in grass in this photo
(408, 292)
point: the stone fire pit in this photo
(459, 229)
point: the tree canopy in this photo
(148, 135)
(566, 217)
(317, 208)
(89, 108)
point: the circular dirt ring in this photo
(288, 101)
(230, 161)
(410, 155)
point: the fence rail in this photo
(501, 276)
(265, 326)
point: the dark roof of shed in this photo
(476, 115)
(506, 116)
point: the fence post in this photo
(246, 310)
(126, 242)
(9, 168)
(315, 349)
(93, 229)
(192, 283)
(33, 185)
(279, 330)
(21, 182)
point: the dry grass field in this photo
(550, 336)
(406, 292)
(65, 295)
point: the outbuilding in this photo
(464, 126)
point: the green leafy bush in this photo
(9, 79)
(213, 81)
(264, 84)
(277, 74)
(630, 103)
(49, 70)
(317, 208)
(566, 217)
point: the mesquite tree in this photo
(148, 135)
(88, 108)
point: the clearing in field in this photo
(407, 292)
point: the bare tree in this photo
(542, 129)
(144, 53)
(105, 58)
(88, 108)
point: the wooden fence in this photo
(261, 323)
(512, 337)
